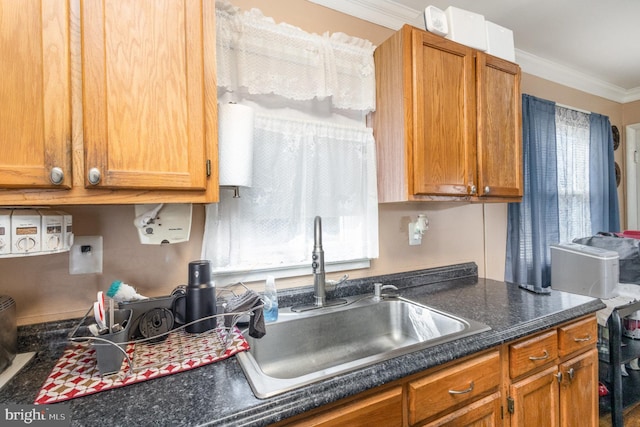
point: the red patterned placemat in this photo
(76, 372)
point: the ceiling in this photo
(590, 45)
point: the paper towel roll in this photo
(235, 144)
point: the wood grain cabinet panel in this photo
(448, 121)
(565, 392)
(485, 412)
(35, 94)
(532, 353)
(451, 388)
(577, 336)
(443, 150)
(143, 94)
(118, 95)
(499, 116)
(579, 390)
(535, 400)
(383, 409)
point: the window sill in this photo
(225, 278)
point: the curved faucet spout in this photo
(317, 233)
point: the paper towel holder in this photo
(235, 188)
(235, 146)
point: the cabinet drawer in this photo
(453, 386)
(577, 335)
(527, 355)
(384, 409)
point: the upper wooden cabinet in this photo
(143, 94)
(35, 94)
(499, 135)
(447, 121)
(140, 97)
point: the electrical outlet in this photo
(85, 256)
(414, 238)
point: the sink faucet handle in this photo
(331, 285)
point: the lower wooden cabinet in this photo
(555, 382)
(579, 390)
(533, 401)
(382, 409)
(546, 379)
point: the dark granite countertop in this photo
(219, 394)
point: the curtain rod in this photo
(572, 108)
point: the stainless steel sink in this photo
(302, 348)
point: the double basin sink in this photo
(303, 348)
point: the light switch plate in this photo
(85, 256)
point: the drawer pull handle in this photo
(545, 355)
(468, 390)
(585, 339)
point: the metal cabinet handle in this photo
(571, 372)
(559, 377)
(473, 189)
(94, 176)
(585, 339)
(56, 175)
(545, 355)
(467, 390)
(487, 189)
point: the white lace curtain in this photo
(313, 154)
(572, 139)
(260, 57)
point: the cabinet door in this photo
(535, 400)
(143, 94)
(483, 413)
(499, 127)
(35, 97)
(444, 99)
(579, 390)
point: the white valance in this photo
(258, 56)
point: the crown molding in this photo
(386, 13)
(566, 76)
(393, 15)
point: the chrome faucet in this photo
(378, 288)
(319, 279)
(317, 264)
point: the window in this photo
(569, 188)
(313, 154)
(572, 150)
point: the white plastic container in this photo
(435, 21)
(500, 41)
(5, 231)
(584, 270)
(26, 235)
(467, 28)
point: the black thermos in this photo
(200, 297)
